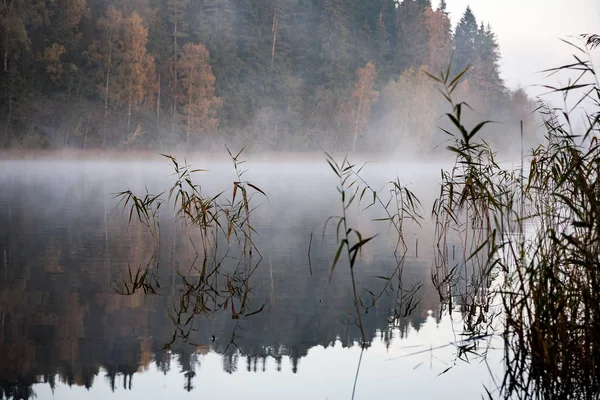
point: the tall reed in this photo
(530, 245)
(211, 283)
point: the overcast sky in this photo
(528, 33)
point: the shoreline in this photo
(249, 156)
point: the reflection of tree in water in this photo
(16, 391)
(188, 361)
(62, 318)
(163, 361)
(252, 363)
(230, 361)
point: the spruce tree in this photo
(465, 39)
(486, 69)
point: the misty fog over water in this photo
(67, 247)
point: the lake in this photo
(94, 306)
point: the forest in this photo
(291, 75)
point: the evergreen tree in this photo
(486, 69)
(465, 40)
(413, 36)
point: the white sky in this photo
(528, 33)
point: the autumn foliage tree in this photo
(136, 74)
(198, 101)
(127, 70)
(439, 38)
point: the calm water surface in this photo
(68, 330)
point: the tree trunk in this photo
(189, 122)
(87, 129)
(10, 96)
(129, 115)
(174, 110)
(274, 29)
(158, 102)
(106, 89)
(362, 90)
(69, 115)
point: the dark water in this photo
(71, 326)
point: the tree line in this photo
(279, 74)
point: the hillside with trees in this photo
(296, 75)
